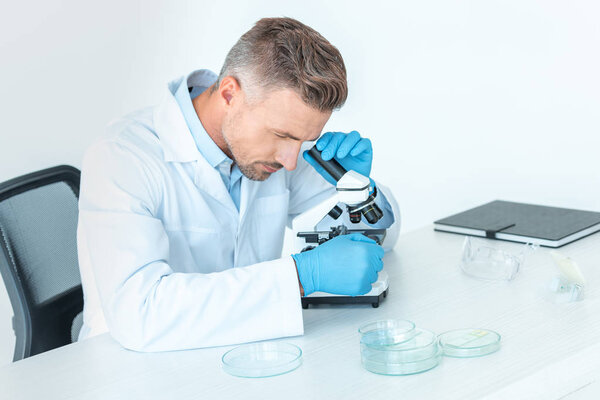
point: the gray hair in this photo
(282, 53)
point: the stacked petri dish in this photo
(397, 347)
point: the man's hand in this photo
(350, 150)
(345, 265)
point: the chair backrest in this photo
(38, 257)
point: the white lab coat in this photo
(166, 260)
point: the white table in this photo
(549, 351)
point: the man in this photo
(183, 206)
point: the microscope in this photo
(348, 206)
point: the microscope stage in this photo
(378, 292)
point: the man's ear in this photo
(229, 89)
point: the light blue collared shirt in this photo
(191, 87)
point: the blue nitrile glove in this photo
(350, 150)
(346, 265)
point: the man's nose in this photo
(288, 155)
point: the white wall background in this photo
(465, 101)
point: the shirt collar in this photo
(199, 81)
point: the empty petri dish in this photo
(387, 331)
(469, 342)
(402, 368)
(421, 346)
(260, 360)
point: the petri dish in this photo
(423, 345)
(402, 368)
(261, 360)
(387, 332)
(464, 343)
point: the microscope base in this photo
(373, 300)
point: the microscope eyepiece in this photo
(332, 167)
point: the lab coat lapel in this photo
(179, 146)
(175, 137)
(208, 179)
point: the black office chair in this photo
(38, 258)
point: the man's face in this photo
(265, 134)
